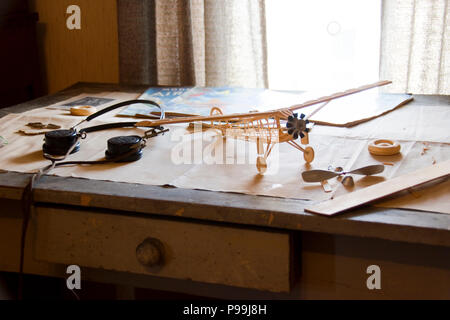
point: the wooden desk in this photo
(220, 244)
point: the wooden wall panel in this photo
(69, 56)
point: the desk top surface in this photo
(259, 211)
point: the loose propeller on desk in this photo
(321, 175)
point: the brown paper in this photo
(411, 122)
(414, 155)
(435, 198)
(161, 164)
(354, 109)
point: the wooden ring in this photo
(82, 110)
(383, 147)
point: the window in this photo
(323, 43)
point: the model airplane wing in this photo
(239, 116)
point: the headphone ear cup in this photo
(58, 142)
(121, 146)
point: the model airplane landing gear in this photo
(308, 154)
(261, 164)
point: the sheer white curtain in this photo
(211, 42)
(224, 42)
(415, 46)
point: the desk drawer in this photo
(175, 249)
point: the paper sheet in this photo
(435, 198)
(354, 109)
(411, 122)
(163, 162)
(164, 157)
(414, 155)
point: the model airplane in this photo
(264, 128)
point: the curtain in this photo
(137, 34)
(193, 42)
(211, 42)
(223, 42)
(415, 46)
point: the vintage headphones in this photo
(58, 144)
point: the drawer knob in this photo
(150, 253)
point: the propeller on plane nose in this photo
(297, 125)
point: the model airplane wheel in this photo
(308, 155)
(261, 164)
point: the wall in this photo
(69, 56)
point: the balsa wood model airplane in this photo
(265, 128)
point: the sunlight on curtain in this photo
(415, 51)
(322, 44)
